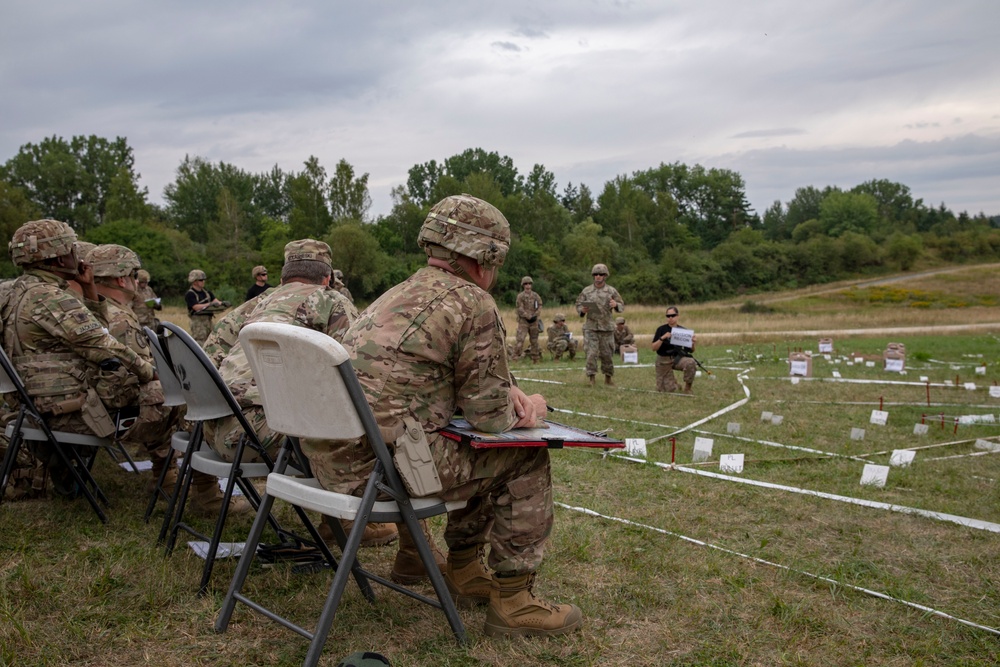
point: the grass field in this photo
(791, 562)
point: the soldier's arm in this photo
(619, 303)
(482, 379)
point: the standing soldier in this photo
(623, 335)
(145, 302)
(529, 309)
(57, 343)
(201, 305)
(260, 284)
(560, 339)
(340, 284)
(597, 302)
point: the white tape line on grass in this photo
(902, 509)
(707, 545)
(769, 443)
(729, 408)
(960, 456)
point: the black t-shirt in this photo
(256, 290)
(667, 349)
(194, 296)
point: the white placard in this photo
(923, 378)
(826, 356)
(795, 379)
(766, 416)
(630, 357)
(971, 386)
(901, 458)
(799, 367)
(870, 364)
(880, 417)
(850, 363)
(894, 365)
(697, 374)
(140, 465)
(733, 427)
(702, 449)
(731, 463)
(988, 445)
(857, 433)
(825, 346)
(777, 419)
(836, 374)
(995, 391)
(681, 337)
(980, 370)
(858, 360)
(635, 447)
(874, 475)
(920, 429)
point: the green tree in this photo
(843, 212)
(349, 198)
(903, 250)
(310, 217)
(357, 253)
(15, 210)
(166, 253)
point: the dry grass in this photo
(77, 592)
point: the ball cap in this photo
(308, 250)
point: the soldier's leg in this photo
(534, 350)
(663, 369)
(689, 367)
(591, 347)
(669, 381)
(573, 344)
(607, 354)
(201, 327)
(522, 333)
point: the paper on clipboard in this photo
(554, 436)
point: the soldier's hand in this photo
(84, 273)
(530, 409)
(584, 310)
(612, 304)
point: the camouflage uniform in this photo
(623, 335)
(598, 329)
(559, 339)
(338, 284)
(529, 309)
(430, 347)
(303, 304)
(201, 320)
(144, 312)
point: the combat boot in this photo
(687, 387)
(608, 381)
(408, 568)
(169, 479)
(207, 497)
(468, 578)
(375, 535)
(557, 357)
(515, 611)
(591, 380)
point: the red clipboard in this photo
(556, 436)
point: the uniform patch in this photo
(70, 304)
(88, 327)
(81, 317)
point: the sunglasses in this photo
(672, 314)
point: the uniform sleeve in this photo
(342, 316)
(70, 321)
(580, 301)
(620, 304)
(482, 378)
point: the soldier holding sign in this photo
(673, 352)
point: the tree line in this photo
(670, 233)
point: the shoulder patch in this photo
(70, 304)
(88, 327)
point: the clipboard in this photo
(556, 436)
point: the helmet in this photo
(526, 281)
(143, 276)
(620, 320)
(112, 261)
(41, 239)
(467, 226)
(599, 268)
(257, 270)
(83, 247)
(338, 274)
(560, 317)
(196, 274)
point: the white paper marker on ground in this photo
(635, 447)
(702, 449)
(731, 463)
(901, 458)
(874, 475)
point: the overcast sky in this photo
(788, 94)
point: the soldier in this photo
(560, 339)
(340, 284)
(596, 302)
(202, 306)
(303, 299)
(145, 302)
(670, 356)
(260, 284)
(115, 272)
(58, 344)
(529, 309)
(429, 347)
(623, 335)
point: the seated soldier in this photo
(115, 270)
(623, 335)
(560, 339)
(304, 299)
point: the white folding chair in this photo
(208, 397)
(309, 390)
(29, 425)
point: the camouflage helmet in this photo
(308, 250)
(559, 317)
(338, 274)
(142, 276)
(83, 247)
(467, 226)
(599, 268)
(40, 239)
(257, 270)
(527, 281)
(196, 274)
(112, 261)
(620, 320)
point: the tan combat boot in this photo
(408, 568)
(515, 611)
(207, 497)
(687, 388)
(468, 577)
(608, 381)
(591, 380)
(159, 463)
(375, 535)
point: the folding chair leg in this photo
(158, 490)
(220, 525)
(183, 480)
(128, 458)
(10, 457)
(243, 568)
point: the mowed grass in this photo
(671, 566)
